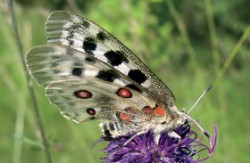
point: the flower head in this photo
(144, 149)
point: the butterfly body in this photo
(89, 74)
(125, 124)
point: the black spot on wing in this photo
(77, 69)
(85, 23)
(90, 60)
(71, 42)
(89, 44)
(132, 86)
(101, 36)
(115, 58)
(137, 76)
(92, 118)
(107, 75)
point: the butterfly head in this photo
(176, 118)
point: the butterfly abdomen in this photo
(112, 129)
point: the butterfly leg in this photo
(170, 134)
(157, 138)
(135, 135)
(174, 135)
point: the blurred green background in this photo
(186, 43)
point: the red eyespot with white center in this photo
(159, 111)
(91, 111)
(125, 93)
(84, 94)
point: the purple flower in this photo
(143, 149)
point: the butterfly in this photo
(89, 74)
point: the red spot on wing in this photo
(125, 93)
(91, 111)
(125, 117)
(84, 94)
(159, 111)
(147, 110)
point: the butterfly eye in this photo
(83, 94)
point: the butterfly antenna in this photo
(195, 122)
(198, 100)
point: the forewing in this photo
(83, 87)
(79, 33)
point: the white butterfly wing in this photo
(83, 87)
(67, 29)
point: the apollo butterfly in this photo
(89, 74)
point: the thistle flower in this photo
(143, 148)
